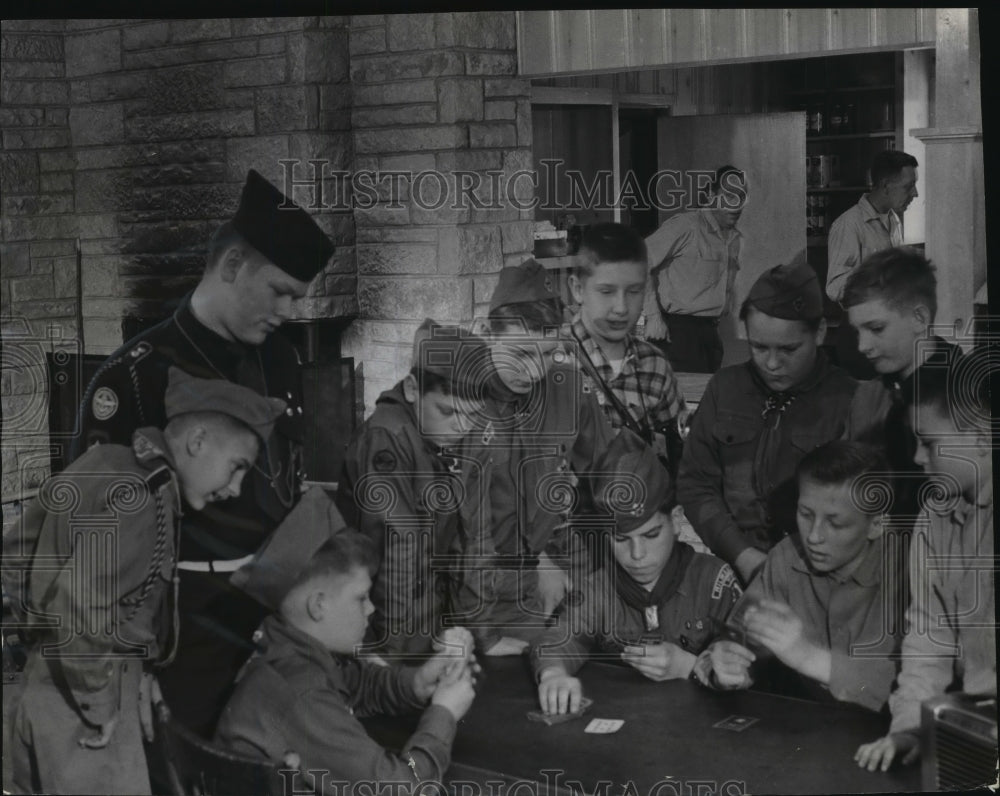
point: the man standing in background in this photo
(693, 259)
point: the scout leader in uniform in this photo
(757, 420)
(80, 723)
(408, 485)
(257, 264)
(544, 433)
(655, 603)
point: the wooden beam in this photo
(559, 95)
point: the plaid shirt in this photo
(646, 383)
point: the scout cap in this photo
(275, 569)
(459, 357)
(281, 230)
(631, 484)
(520, 284)
(187, 393)
(790, 292)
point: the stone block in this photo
(483, 287)
(97, 226)
(256, 71)
(521, 191)
(493, 214)
(19, 172)
(319, 56)
(185, 201)
(415, 298)
(93, 53)
(198, 87)
(492, 135)
(468, 160)
(444, 30)
(448, 213)
(395, 93)
(387, 68)
(53, 248)
(22, 117)
(366, 20)
(517, 237)
(56, 117)
(286, 108)
(335, 121)
(100, 276)
(34, 92)
(506, 87)
(499, 109)
(264, 26)
(326, 307)
(15, 260)
(103, 191)
(26, 47)
(141, 36)
(38, 205)
(343, 261)
(340, 284)
(525, 131)
(64, 279)
(41, 266)
(102, 88)
(410, 163)
(35, 139)
(393, 117)
(38, 227)
(398, 235)
(333, 150)
(480, 249)
(410, 31)
(410, 139)
(31, 288)
(490, 64)
(190, 30)
(261, 153)
(335, 97)
(104, 335)
(271, 45)
(33, 26)
(179, 173)
(460, 100)
(380, 215)
(201, 124)
(55, 161)
(367, 40)
(97, 124)
(31, 70)
(396, 258)
(487, 30)
(186, 54)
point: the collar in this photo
(867, 573)
(223, 353)
(593, 349)
(708, 218)
(277, 639)
(149, 444)
(869, 212)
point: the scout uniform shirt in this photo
(855, 234)
(855, 617)
(736, 480)
(951, 622)
(296, 696)
(102, 535)
(419, 503)
(688, 609)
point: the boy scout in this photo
(820, 604)
(757, 420)
(655, 604)
(950, 641)
(635, 384)
(303, 689)
(406, 462)
(257, 264)
(891, 300)
(545, 431)
(77, 727)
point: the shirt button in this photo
(289, 411)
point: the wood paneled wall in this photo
(564, 42)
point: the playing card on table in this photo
(736, 723)
(604, 726)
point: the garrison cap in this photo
(519, 284)
(790, 292)
(187, 393)
(281, 230)
(632, 484)
(452, 353)
(276, 567)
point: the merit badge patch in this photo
(384, 461)
(105, 403)
(726, 579)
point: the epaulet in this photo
(159, 478)
(139, 351)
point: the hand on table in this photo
(663, 661)
(559, 692)
(731, 664)
(878, 755)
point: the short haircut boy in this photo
(609, 243)
(841, 461)
(889, 163)
(341, 555)
(901, 277)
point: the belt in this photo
(705, 320)
(215, 566)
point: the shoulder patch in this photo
(104, 404)
(726, 579)
(384, 461)
(489, 433)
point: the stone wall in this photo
(434, 94)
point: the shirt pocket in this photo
(736, 442)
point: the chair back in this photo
(196, 767)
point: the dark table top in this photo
(667, 744)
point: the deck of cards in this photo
(559, 718)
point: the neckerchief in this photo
(648, 601)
